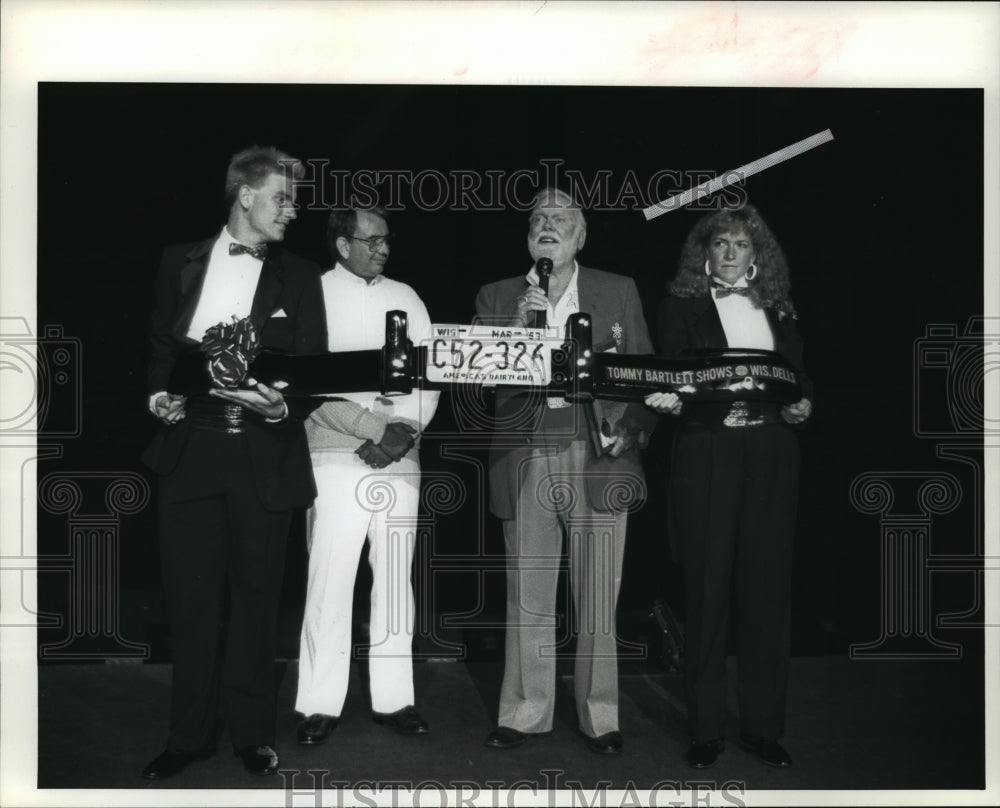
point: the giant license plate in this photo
(478, 354)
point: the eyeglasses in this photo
(374, 242)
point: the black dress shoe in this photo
(610, 743)
(505, 738)
(171, 762)
(406, 721)
(315, 729)
(769, 752)
(258, 759)
(703, 754)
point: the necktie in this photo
(257, 252)
(724, 291)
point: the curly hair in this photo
(770, 288)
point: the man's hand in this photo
(262, 400)
(373, 455)
(798, 412)
(664, 403)
(626, 434)
(398, 439)
(169, 408)
(531, 300)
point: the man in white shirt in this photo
(354, 503)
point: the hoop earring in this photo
(708, 270)
(751, 273)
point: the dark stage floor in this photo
(852, 724)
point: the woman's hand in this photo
(664, 403)
(798, 412)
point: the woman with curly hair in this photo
(734, 482)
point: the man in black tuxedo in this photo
(232, 466)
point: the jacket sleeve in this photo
(493, 309)
(671, 331)
(637, 336)
(166, 294)
(310, 333)
(350, 418)
(637, 341)
(794, 353)
(310, 318)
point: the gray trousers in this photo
(551, 504)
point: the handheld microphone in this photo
(544, 269)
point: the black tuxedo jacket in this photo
(693, 322)
(279, 454)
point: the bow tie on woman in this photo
(721, 290)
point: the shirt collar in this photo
(343, 273)
(740, 284)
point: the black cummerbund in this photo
(214, 415)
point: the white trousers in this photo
(356, 502)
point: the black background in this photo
(883, 230)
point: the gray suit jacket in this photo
(612, 484)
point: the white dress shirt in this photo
(569, 303)
(227, 291)
(355, 319)
(557, 316)
(745, 325)
(229, 286)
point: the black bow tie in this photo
(723, 291)
(260, 253)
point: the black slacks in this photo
(223, 558)
(733, 503)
